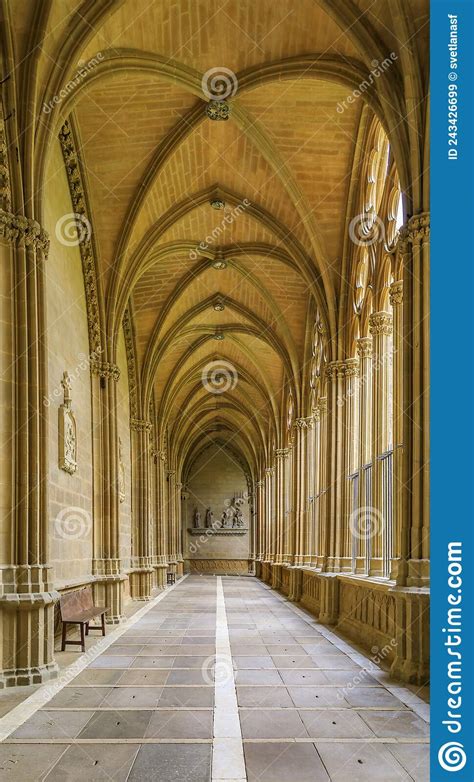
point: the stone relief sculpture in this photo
(67, 430)
(121, 473)
(209, 518)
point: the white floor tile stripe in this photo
(227, 748)
(17, 716)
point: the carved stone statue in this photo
(67, 430)
(209, 518)
(196, 519)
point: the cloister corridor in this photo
(221, 679)
(214, 390)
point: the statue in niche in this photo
(209, 519)
(121, 472)
(67, 430)
(196, 519)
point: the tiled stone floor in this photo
(144, 708)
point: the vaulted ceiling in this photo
(154, 161)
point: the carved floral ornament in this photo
(140, 425)
(67, 430)
(23, 231)
(121, 472)
(76, 189)
(105, 369)
(290, 411)
(381, 323)
(396, 293)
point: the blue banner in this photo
(452, 390)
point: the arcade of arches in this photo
(214, 328)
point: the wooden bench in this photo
(171, 578)
(77, 608)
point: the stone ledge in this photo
(208, 531)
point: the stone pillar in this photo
(358, 518)
(301, 427)
(288, 518)
(315, 488)
(179, 527)
(416, 394)
(380, 326)
(280, 454)
(335, 373)
(170, 512)
(161, 560)
(260, 487)
(400, 558)
(106, 564)
(269, 511)
(351, 452)
(142, 569)
(321, 562)
(26, 591)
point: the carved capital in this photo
(352, 367)
(395, 293)
(163, 456)
(335, 369)
(260, 484)
(282, 453)
(105, 369)
(140, 425)
(269, 471)
(364, 347)
(23, 232)
(381, 323)
(419, 228)
(323, 405)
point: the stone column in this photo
(26, 590)
(321, 562)
(416, 398)
(269, 510)
(142, 569)
(380, 326)
(400, 555)
(159, 559)
(288, 516)
(179, 528)
(358, 518)
(315, 487)
(301, 427)
(280, 509)
(335, 373)
(351, 452)
(170, 511)
(106, 565)
(260, 487)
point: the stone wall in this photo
(70, 495)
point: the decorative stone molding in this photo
(260, 484)
(140, 425)
(86, 249)
(335, 369)
(218, 565)
(67, 430)
(5, 190)
(105, 369)
(163, 456)
(364, 347)
(323, 405)
(20, 230)
(395, 293)
(129, 338)
(270, 471)
(121, 472)
(381, 323)
(282, 453)
(419, 228)
(352, 367)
